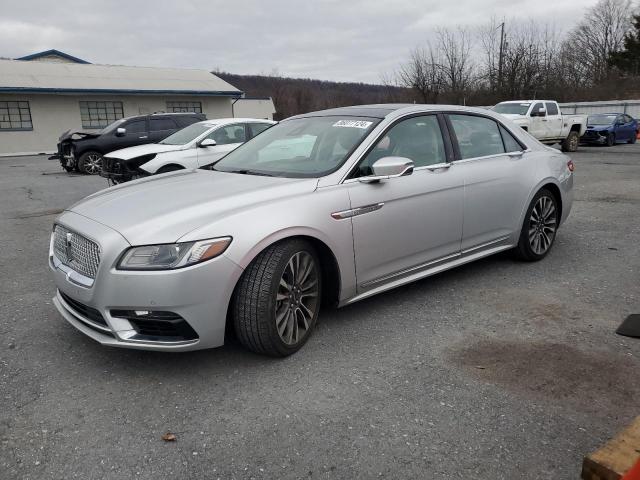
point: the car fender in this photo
(564, 187)
(177, 157)
(343, 257)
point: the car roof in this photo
(540, 100)
(375, 111)
(386, 109)
(224, 121)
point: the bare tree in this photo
(456, 65)
(600, 33)
(423, 74)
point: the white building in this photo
(45, 94)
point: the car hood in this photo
(514, 116)
(164, 208)
(599, 128)
(139, 150)
(77, 135)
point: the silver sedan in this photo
(325, 208)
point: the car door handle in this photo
(144, 137)
(439, 166)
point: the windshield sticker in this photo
(353, 124)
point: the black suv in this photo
(83, 151)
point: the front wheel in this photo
(90, 163)
(277, 300)
(634, 137)
(611, 140)
(570, 144)
(539, 227)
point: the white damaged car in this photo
(194, 146)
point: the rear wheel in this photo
(90, 163)
(611, 139)
(570, 144)
(277, 300)
(634, 137)
(539, 227)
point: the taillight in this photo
(571, 166)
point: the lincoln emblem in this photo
(67, 247)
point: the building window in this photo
(15, 116)
(173, 107)
(100, 114)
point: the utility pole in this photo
(500, 57)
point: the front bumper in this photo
(118, 171)
(596, 137)
(199, 294)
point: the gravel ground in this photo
(497, 370)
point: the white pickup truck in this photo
(543, 120)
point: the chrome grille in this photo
(76, 252)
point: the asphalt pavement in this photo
(496, 370)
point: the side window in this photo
(416, 138)
(536, 107)
(256, 128)
(161, 124)
(552, 108)
(137, 126)
(510, 143)
(628, 119)
(477, 136)
(186, 120)
(228, 134)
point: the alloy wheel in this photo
(296, 298)
(542, 225)
(93, 164)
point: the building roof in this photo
(17, 76)
(47, 54)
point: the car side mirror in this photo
(389, 167)
(208, 142)
(121, 132)
(541, 112)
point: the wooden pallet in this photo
(618, 459)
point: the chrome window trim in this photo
(495, 155)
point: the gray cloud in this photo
(349, 40)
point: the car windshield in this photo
(112, 126)
(512, 108)
(601, 119)
(302, 147)
(187, 134)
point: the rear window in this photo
(477, 136)
(186, 120)
(552, 108)
(160, 124)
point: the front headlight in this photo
(171, 256)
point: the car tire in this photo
(634, 138)
(90, 163)
(539, 228)
(570, 144)
(611, 140)
(169, 168)
(277, 300)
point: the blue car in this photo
(610, 128)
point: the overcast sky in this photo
(345, 40)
